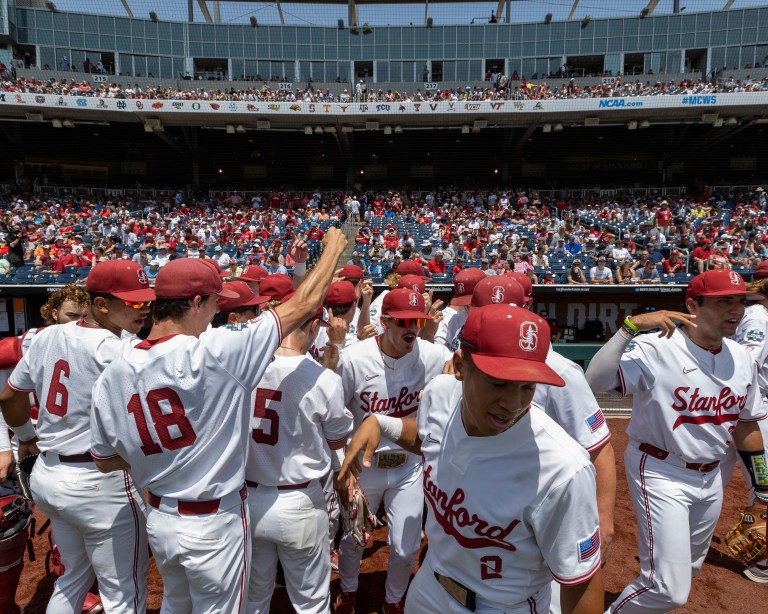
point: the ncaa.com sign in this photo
(616, 103)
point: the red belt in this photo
(285, 487)
(195, 508)
(663, 454)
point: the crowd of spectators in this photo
(498, 89)
(595, 241)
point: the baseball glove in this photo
(357, 519)
(746, 540)
(24, 472)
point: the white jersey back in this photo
(752, 333)
(573, 406)
(299, 407)
(442, 328)
(376, 384)
(60, 366)
(178, 409)
(508, 512)
(687, 400)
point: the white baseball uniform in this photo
(98, 520)
(453, 330)
(302, 407)
(687, 401)
(576, 410)
(178, 410)
(751, 333)
(378, 384)
(506, 513)
(375, 311)
(442, 328)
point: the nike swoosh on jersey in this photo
(431, 439)
(370, 377)
(690, 370)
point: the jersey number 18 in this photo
(184, 433)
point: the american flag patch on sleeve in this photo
(595, 421)
(588, 547)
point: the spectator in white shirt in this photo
(222, 259)
(620, 251)
(600, 274)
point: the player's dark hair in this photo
(340, 310)
(220, 319)
(173, 308)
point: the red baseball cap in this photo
(761, 272)
(524, 281)
(509, 343)
(276, 286)
(351, 271)
(497, 290)
(464, 284)
(340, 293)
(411, 267)
(124, 279)
(404, 303)
(189, 277)
(719, 283)
(245, 297)
(412, 282)
(254, 273)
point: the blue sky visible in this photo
(326, 13)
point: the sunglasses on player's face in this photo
(408, 322)
(138, 304)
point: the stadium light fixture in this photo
(57, 123)
(240, 129)
(319, 130)
(308, 130)
(632, 125)
(387, 129)
(153, 16)
(34, 117)
(480, 124)
(230, 129)
(263, 124)
(68, 123)
(591, 121)
(644, 124)
(465, 129)
(731, 121)
(546, 128)
(330, 129)
(709, 117)
(558, 127)
(718, 123)
(371, 125)
(254, 23)
(398, 130)
(347, 129)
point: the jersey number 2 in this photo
(260, 410)
(185, 434)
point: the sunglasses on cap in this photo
(138, 304)
(408, 322)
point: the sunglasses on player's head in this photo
(408, 322)
(138, 304)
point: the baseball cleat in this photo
(393, 608)
(92, 604)
(758, 572)
(345, 603)
(335, 560)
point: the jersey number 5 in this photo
(183, 434)
(260, 410)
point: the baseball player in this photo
(183, 423)
(409, 267)
(361, 322)
(695, 392)
(455, 315)
(98, 521)
(300, 415)
(751, 333)
(384, 375)
(253, 275)
(511, 496)
(243, 307)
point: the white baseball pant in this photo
(677, 510)
(427, 596)
(99, 526)
(292, 526)
(403, 495)
(203, 559)
(332, 506)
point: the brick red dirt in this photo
(720, 587)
